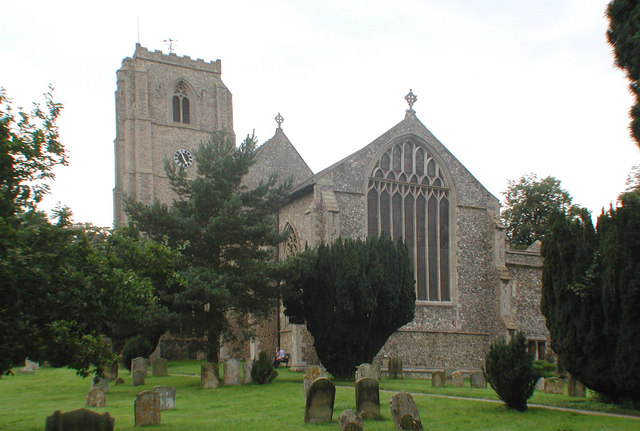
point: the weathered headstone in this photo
(247, 372)
(147, 408)
(119, 381)
(167, 397)
(311, 375)
(319, 403)
(111, 371)
(404, 412)
(368, 398)
(350, 420)
(100, 382)
(437, 379)
(448, 375)
(458, 379)
(395, 368)
(478, 380)
(232, 372)
(138, 377)
(159, 367)
(575, 388)
(140, 364)
(540, 385)
(554, 385)
(371, 371)
(208, 376)
(96, 397)
(79, 420)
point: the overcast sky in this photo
(509, 86)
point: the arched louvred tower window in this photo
(290, 245)
(408, 197)
(180, 104)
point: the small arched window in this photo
(180, 104)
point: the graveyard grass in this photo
(26, 401)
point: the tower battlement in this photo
(176, 60)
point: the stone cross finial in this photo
(170, 42)
(279, 119)
(411, 99)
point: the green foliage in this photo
(591, 298)
(545, 368)
(624, 27)
(395, 368)
(509, 369)
(262, 372)
(352, 295)
(137, 346)
(224, 231)
(529, 203)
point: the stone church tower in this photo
(165, 106)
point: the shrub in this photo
(509, 370)
(262, 371)
(134, 347)
(545, 368)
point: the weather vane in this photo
(170, 42)
(279, 119)
(411, 99)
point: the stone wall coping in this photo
(175, 60)
(426, 331)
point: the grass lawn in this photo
(26, 400)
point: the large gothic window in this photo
(180, 104)
(408, 197)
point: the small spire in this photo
(279, 119)
(411, 99)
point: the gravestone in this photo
(554, 385)
(575, 388)
(79, 420)
(458, 379)
(167, 397)
(448, 375)
(147, 408)
(540, 385)
(139, 364)
(368, 398)
(159, 367)
(119, 381)
(319, 403)
(247, 372)
(350, 420)
(395, 368)
(100, 382)
(404, 412)
(437, 379)
(208, 377)
(478, 380)
(111, 371)
(138, 377)
(96, 397)
(29, 367)
(232, 372)
(311, 375)
(371, 371)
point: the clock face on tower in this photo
(183, 158)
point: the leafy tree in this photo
(352, 295)
(623, 33)
(224, 231)
(529, 202)
(510, 372)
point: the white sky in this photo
(509, 86)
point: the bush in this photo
(509, 370)
(545, 368)
(138, 346)
(262, 371)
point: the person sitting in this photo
(281, 357)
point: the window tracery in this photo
(180, 104)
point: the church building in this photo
(471, 288)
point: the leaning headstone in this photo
(371, 371)
(100, 382)
(79, 420)
(140, 364)
(319, 403)
(232, 372)
(247, 372)
(159, 367)
(147, 408)
(554, 385)
(208, 376)
(138, 377)
(96, 397)
(404, 412)
(575, 388)
(395, 368)
(478, 380)
(368, 398)
(311, 375)
(167, 397)
(458, 379)
(437, 379)
(350, 420)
